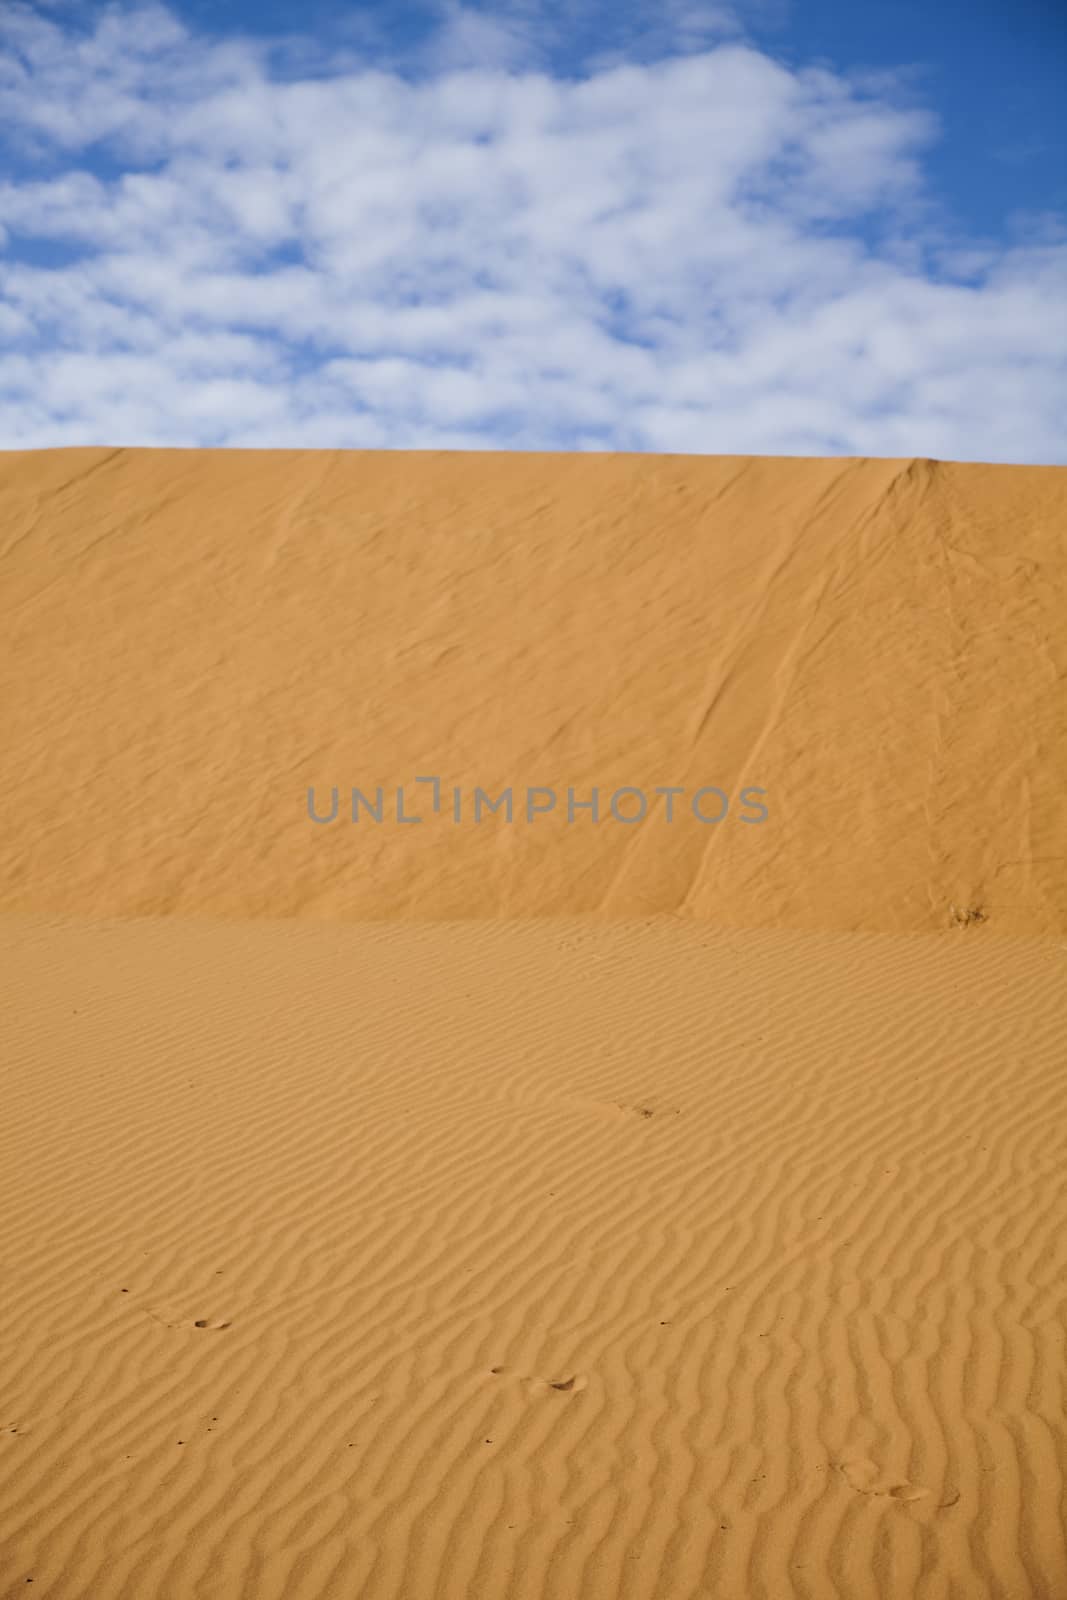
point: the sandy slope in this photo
(549, 1259)
(193, 639)
(532, 1211)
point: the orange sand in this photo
(532, 1211)
(193, 639)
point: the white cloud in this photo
(673, 254)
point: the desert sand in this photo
(545, 1209)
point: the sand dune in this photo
(538, 1210)
(196, 639)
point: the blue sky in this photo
(788, 228)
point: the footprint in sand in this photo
(647, 1111)
(864, 1476)
(906, 1491)
(172, 1319)
(572, 1383)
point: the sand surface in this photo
(194, 639)
(538, 1210)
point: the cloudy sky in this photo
(779, 226)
